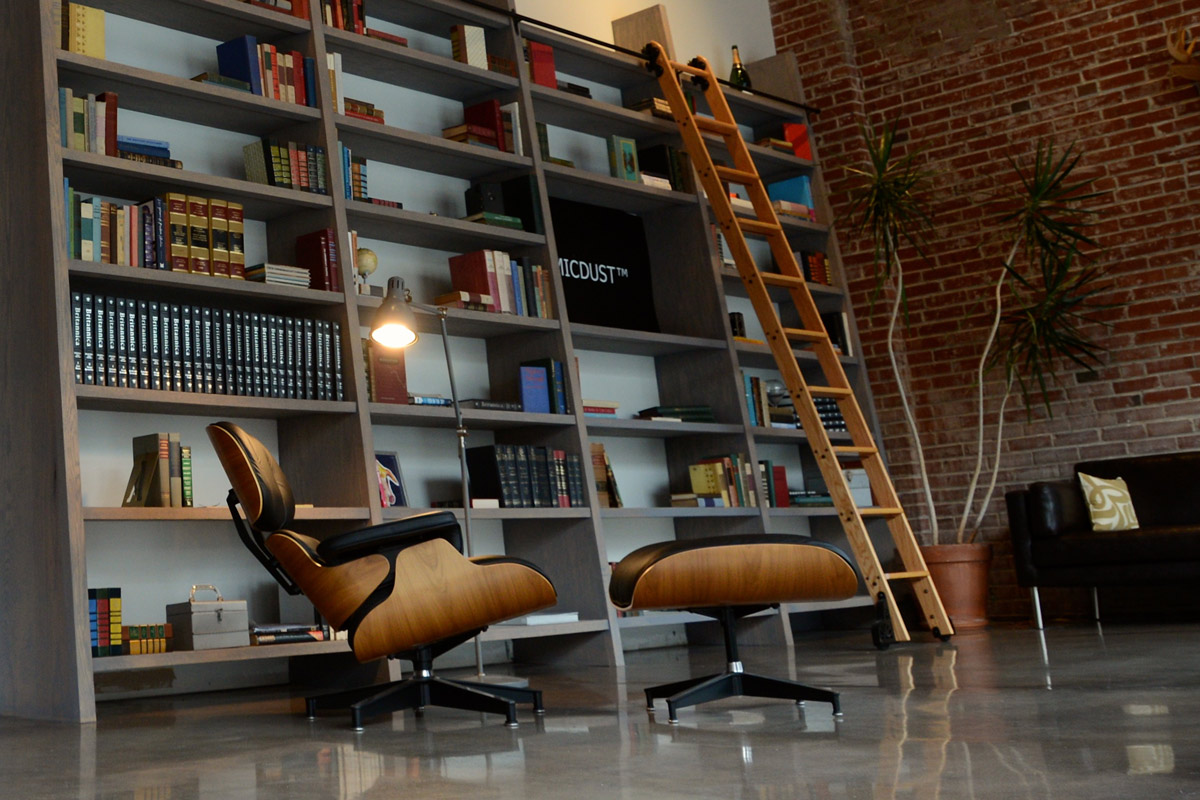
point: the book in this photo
(384, 36)
(623, 158)
(83, 29)
(217, 79)
(796, 133)
(484, 404)
(468, 45)
(185, 470)
(238, 59)
(386, 378)
(535, 390)
(556, 382)
(474, 273)
(489, 218)
(541, 64)
(486, 114)
(553, 618)
(317, 252)
(154, 450)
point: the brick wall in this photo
(971, 82)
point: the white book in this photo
(545, 619)
(476, 46)
(498, 262)
(513, 111)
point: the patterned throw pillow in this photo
(1109, 503)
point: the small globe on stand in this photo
(365, 261)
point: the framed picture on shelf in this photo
(391, 481)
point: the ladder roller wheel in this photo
(882, 633)
(937, 634)
(696, 79)
(652, 54)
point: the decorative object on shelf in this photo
(365, 264)
(391, 481)
(395, 325)
(738, 76)
(206, 624)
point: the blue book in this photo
(310, 82)
(793, 190)
(157, 152)
(136, 141)
(560, 388)
(64, 118)
(747, 388)
(238, 58)
(518, 293)
(346, 173)
(535, 390)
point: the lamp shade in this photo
(395, 324)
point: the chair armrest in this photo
(1055, 508)
(392, 536)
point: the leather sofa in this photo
(1054, 544)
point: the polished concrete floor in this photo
(1084, 713)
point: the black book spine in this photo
(216, 338)
(160, 233)
(88, 314)
(77, 333)
(319, 360)
(131, 351)
(239, 353)
(177, 349)
(154, 341)
(100, 345)
(270, 380)
(528, 498)
(164, 342)
(143, 343)
(110, 338)
(508, 469)
(279, 353)
(289, 346)
(255, 354)
(545, 476)
(575, 480)
(228, 363)
(309, 360)
(327, 349)
(339, 390)
(185, 345)
(122, 342)
(483, 470)
(206, 344)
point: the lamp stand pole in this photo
(461, 432)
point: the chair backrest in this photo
(260, 485)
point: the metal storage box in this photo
(206, 624)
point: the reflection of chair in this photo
(402, 589)
(726, 578)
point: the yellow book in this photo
(236, 242)
(177, 221)
(84, 30)
(218, 237)
(709, 480)
(198, 249)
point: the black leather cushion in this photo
(260, 468)
(630, 569)
(390, 536)
(1145, 545)
(1056, 508)
(1163, 487)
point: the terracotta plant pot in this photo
(960, 573)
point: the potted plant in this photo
(1044, 291)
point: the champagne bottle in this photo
(738, 76)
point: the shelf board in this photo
(178, 98)
(667, 512)
(436, 16)
(790, 435)
(590, 62)
(461, 322)
(760, 356)
(429, 230)
(638, 343)
(443, 417)
(569, 183)
(220, 655)
(804, 511)
(148, 401)
(214, 19)
(110, 176)
(583, 114)
(500, 631)
(823, 295)
(404, 148)
(656, 429)
(399, 512)
(199, 287)
(207, 513)
(415, 69)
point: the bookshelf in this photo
(59, 436)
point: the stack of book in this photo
(468, 45)
(145, 344)
(526, 476)
(603, 409)
(677, 413)
(606, 482)
(775, 143)
(288, 165)
(286, 633)
(815, 265)
(493, 281)
(657, 106)
(145, 639)
(489, 124)
(831, 415)
(361, 109)
(278, 274)
(809, 497)
(286, 75)
(104, 620)
(177, 232)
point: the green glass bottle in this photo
(738, 76)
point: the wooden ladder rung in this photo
(854, 450)
(880, 511)
(801, 335)
(905, 576)
(786, 281)
(716, 126)
(830, 391)
(759, 227)
(738, 176)
(688, 68)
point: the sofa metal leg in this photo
(1037, 609)
(1096, 603)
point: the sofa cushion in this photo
(1056, 508)
(1108, 502)
(1163, 487)
(1145, 545)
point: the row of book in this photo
(264, 633)
(88, 123)
(162, 472)
(176, 231)
(762, 413)
(288, 165)
(489, 124)
(607, 493)
(104, 621)
(295, 8)
(145, 639)
(265, 70)
(731, 477)
(491, 280)
(354, 179)
(145, 344)
(711, 487)
(543, 387)
(526, 476)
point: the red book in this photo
(360, 115)
(541, 65)
(797, 134)
(386, 37)
(487, 115)
(389, 384)
(313, 253)
(110, 122)
(472, 272)
(782, 499)
(338, 20)
(300, 8)
(298, 77)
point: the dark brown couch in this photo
(1053, 541)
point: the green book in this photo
(185, 467)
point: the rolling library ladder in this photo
(889, 625)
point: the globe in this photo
(366, 261)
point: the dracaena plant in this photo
(1043, 298)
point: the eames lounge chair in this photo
(727, 578)
(403, 589)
